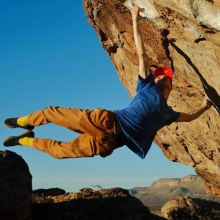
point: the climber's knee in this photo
(106, 145)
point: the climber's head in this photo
(162, 71)
(163, 78)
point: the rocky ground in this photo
(19, 202)
(185, 208)
(89, 204)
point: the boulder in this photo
(185, 36)
(183, 208)
(15, 187)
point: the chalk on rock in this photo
(150, 11)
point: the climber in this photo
(102, 131)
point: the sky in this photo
(51, 56)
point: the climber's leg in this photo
(83, 146)
(93, 122)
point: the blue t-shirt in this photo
(147, 113)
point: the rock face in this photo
(163, 190)
(89, 204)
(194, 209)
(185, 36)
(15, 187)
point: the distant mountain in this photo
(164, 190)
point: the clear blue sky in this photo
(50, 55)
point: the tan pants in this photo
(97, 128)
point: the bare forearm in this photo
(139, 47)
(137, 37)
(187, 117)
(197, 114)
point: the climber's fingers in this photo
(135, 9)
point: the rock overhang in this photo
(195, 40)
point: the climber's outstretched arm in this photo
(138, 41)
(187, 117)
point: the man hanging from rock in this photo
(102, 131)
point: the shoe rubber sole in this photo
(14, 140)
(12, 123)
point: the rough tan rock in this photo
(15, 187)
(194, 52)
(183, 208)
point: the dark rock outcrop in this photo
(44, 195)
(88, 204)
(184, 208)
(48, 192)
(185, 36)
(15, 187)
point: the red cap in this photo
(166, 71)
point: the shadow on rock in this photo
(211, 92)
